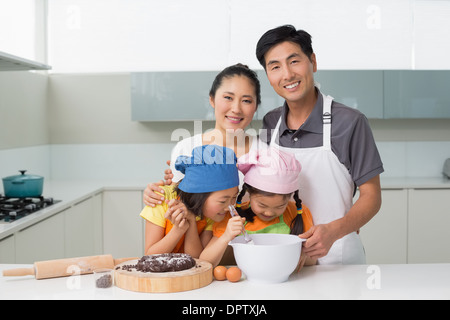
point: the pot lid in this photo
(22, 176)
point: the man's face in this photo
(290, 72)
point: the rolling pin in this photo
(66, 267)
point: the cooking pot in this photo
(23, 185)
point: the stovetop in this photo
(12, 209)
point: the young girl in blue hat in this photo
(209, 186)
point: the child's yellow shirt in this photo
(155, 215)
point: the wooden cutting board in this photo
(199, 276)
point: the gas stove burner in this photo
(12, 209)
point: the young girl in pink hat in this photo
(271, 180)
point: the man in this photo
(333, 143)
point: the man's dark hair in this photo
(282, 34)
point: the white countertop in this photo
(408, 281)
(415, 183)
(70, 193)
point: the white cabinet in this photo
(411, 227)
(105, 223)
(82, 228)
(7, 250)
(385, 236)
(428, 226)
(41, 241)
(73, 232)
(123, 229)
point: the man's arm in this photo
(321, 237)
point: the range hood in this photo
(8, 62)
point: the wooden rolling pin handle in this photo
(19, 272)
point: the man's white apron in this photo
(326, 188)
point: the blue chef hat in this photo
(210, 168)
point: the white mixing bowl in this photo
(271, 259)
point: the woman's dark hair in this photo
(237, 70)
(282, 34)
(193, 201)
(296, 224)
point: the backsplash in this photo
(424, 159)
(36, 160)
(147, 162)
(110, 161)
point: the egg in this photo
(233, 274)
(220, 273)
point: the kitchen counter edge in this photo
(70, 193)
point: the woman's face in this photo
(234, 103)
(216, 205)
(268, 208)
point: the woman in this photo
(235, 95)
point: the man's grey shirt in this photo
(351, 137)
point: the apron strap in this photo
(326, 119)
(275, 135)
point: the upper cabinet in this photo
(8, 62)
(401, 94)
(362, 90)
(171, 96)
(416, 94)
(390, 94)
(269, 98)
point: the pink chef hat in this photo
(270, 169)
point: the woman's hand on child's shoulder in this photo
(151, 198)
(168, 174)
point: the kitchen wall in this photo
(24, 125)
(77, 126)
(92, 135)
(93, 112)
(23, 109)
